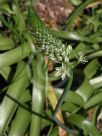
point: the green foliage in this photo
(24, 76)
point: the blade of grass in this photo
(14, 55)
(91, 69)
(6, 43)
(85, 90)
(72, 35)
(4, 71)
(96, 82)
(3, 1)
(95, 100)
(71, 96)
(22, 119)
(70, 107)
(19, 19)
(95, 54)
(5, 8)
(7, 106)
(20, 123)
(84, 124)
(77, 12)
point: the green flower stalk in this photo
(51, 46)
(48, 44)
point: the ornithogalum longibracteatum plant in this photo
(51, 46)
(34, 98)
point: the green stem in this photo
(64, 93)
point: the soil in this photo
(54, 12)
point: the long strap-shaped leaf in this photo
(7, 106)
(38, 94)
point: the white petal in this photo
(63, 76)
(57, 74)
(58, 68)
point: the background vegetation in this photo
(29, 89)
